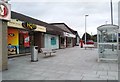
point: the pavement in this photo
(67, 64)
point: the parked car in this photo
(90, 42)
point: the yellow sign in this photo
(18, 24)
(29, 26)
(13, 36)
(40, 28)
(15, 23)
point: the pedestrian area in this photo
(68, 64)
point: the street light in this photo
(85, 27)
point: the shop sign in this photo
(40, 28)
(15, 23)
(5, 11)
(18, 24)
(29, 26)
(69, 35)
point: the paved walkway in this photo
(68, 64)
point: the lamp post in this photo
(111, 12)
(85, 26)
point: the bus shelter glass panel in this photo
(107, 36)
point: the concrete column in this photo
(66, 42)
(3, 45)
(119, 42)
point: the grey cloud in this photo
(71, 13)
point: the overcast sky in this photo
(71, 12)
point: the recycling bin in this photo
(34, 53)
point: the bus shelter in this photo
(108, 42)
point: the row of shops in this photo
(45, 35)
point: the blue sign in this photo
(53, 41)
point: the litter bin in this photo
(34, 54)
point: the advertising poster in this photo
(26, 40)
(13, 42)
(13, 36)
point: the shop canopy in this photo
(49, 28)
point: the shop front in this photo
(62, 42)
(19, 38)
(69, 39)
(15, 37)
(39, 37)
(69, 42)
(51, 41)
(18, 41)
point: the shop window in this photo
(53, 41)
(24, 42)
(62, 40)
(69, 40)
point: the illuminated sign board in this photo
(29, 26)
(19, 24)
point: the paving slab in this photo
(68, 64)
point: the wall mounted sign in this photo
(53, 41)
(18, 24)
(69, 35)
(5, 11)
(40, 28)
(29, 26)
(15, 23)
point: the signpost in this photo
(5, 15)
